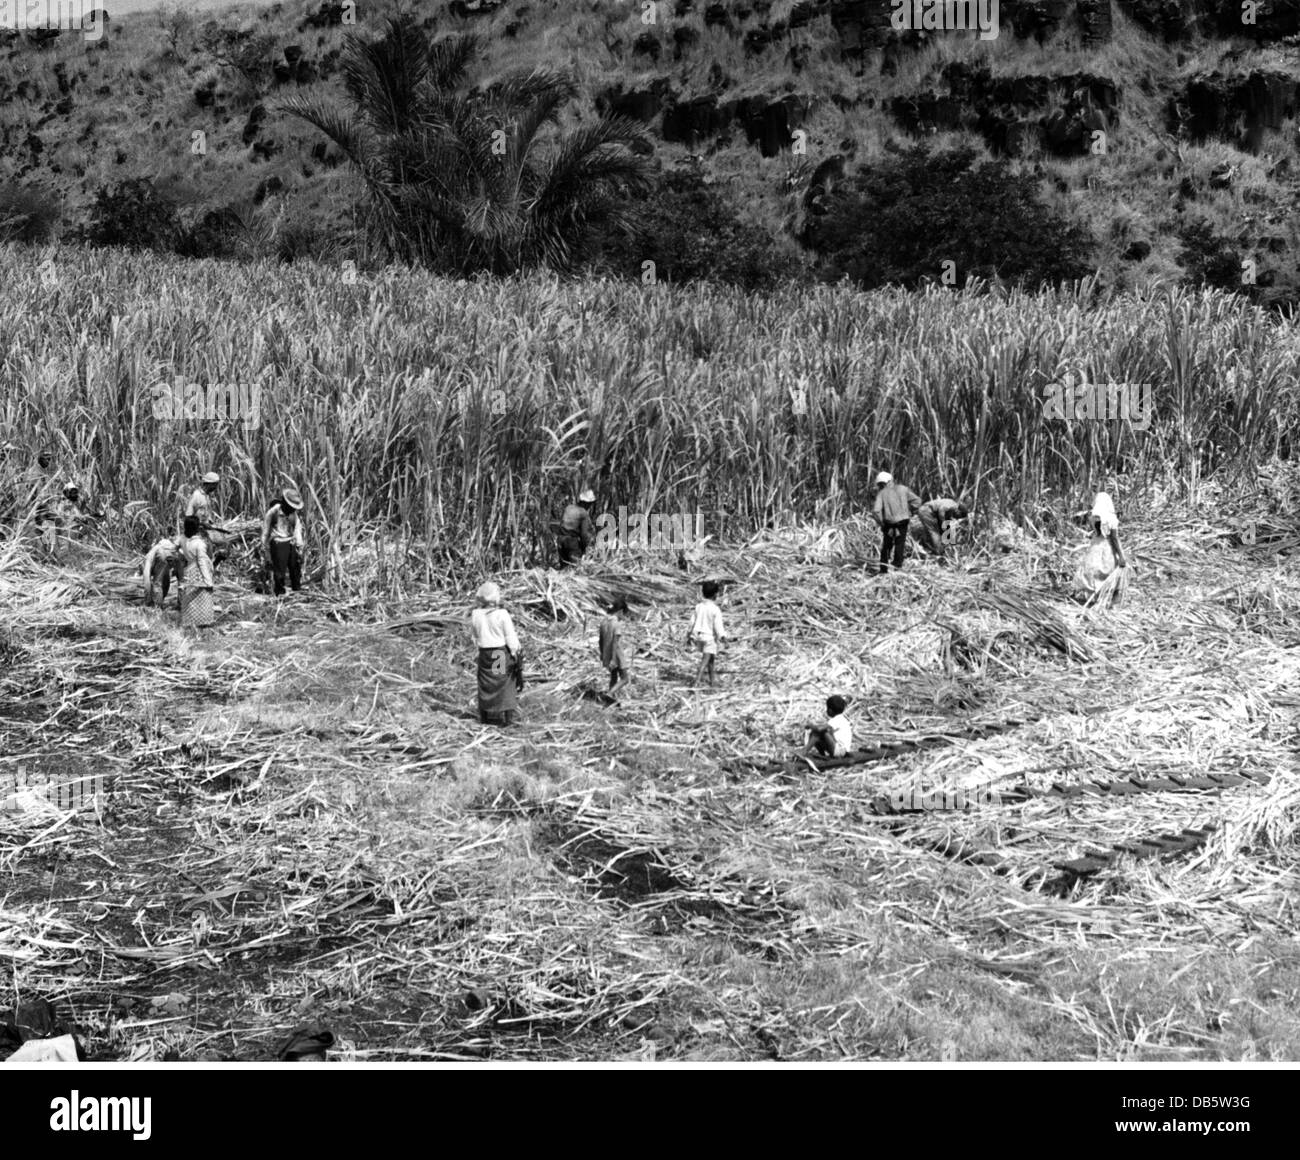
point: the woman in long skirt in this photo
(500, 663)
(1104, 557)
(198, 609)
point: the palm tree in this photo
(467, 181)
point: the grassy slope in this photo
(133, 100)
(308, 823)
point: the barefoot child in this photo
(706, 631)
(612, 655)
(835, 738)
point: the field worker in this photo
(707, 632)
(835, 738)
(893, 510)
(202, 505)
(500, 659)
(576, 532)
(933, 519)
(162, 562)
(1104, 554)
(613, 657)
(198, 609)
(65, 518)
(282, 540)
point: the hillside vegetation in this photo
(1163, 136)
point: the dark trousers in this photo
(822, 739)
(285, 558)
(571, 548)
(163, 571)
(893, 543)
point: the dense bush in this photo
(135, 214)
(27, 214)
(690, 232)
(900, 221)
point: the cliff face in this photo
(1149, 111)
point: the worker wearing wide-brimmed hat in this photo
(500, 659)
(893, 510)
(282, 540)
(576, 532)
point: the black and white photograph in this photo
(650, 535)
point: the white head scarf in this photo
(489, 594)
(1103, 511)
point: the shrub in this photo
(690, 232)
(902, 220)
(27, 214)
(135, 214)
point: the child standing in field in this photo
(612, 654)
(835, 738)
(706, 631)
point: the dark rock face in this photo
(1096, 21)
(771, 124)
(861, 25)
(647, 44)
(1239, 108)
(1039, 19)
(253, 125)
(641, 104)
(1069, 108)
(266, 187)
(326, 16)
(691, 122)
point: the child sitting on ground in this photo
(706, 631)
(612, 655)
(835, 738)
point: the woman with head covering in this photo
(282, 540)
(1104, 556)
(576, 532)
(198, 609)
(500, 661)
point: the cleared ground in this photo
(299, 818)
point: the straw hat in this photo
(587, 496)
(293, 498)
(212, 477)
(489, 593)
(884, 477)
